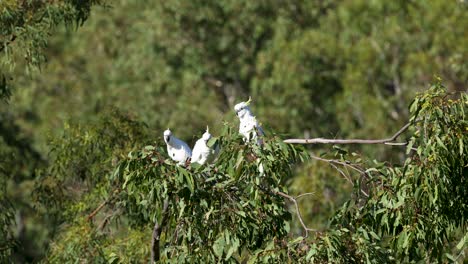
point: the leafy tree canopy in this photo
(83, 84)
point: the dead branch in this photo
(386, 141)
(304, 194)
(298, 212)
(155, 247)
(342, 173)
(345, 164)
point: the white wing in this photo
(250, 128)
(179, 151)
(197, 151)
(201, 152)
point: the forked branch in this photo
(298, 212)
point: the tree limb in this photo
(386, 141)
(155, 247)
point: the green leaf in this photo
(374, 235)
(462, 242)
(235, 246)
(212, 142)
(452, 258)
(113, 258)
(149, 147)
(409, 146)
(311, 253)
(460, 143)
(240, 158)
(441, 144)
(296, 240)
(241, 213)
(401, 239)
(218, 246)
(188, 179)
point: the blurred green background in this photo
(334, 69)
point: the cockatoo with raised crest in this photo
(202, 153)
(249, 126)
(177, 149)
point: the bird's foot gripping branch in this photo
(213, 212)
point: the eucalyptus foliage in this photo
(415, 211)
(26, 26)
(218, 212)
(230, 212)
(335, 69)
(7, 241)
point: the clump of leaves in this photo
(26, 26)
(415, 211)
(232, 210)
(215, 211)
(7, 242)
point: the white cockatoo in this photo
(249, 126)
(201, 152)
(177, 149)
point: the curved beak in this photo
(167, 138)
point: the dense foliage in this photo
(26, 27)
(216, 211)
(229, 211)
(84, 84)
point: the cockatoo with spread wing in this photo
(249, 126)
(177, 149)
(201, 152)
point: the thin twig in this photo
(365, 194)
(333, 161)
(304, 194)
(155, 249)
(396, 143)
(342, 173)
(298, 212)
(346, 164)
(348, 141)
